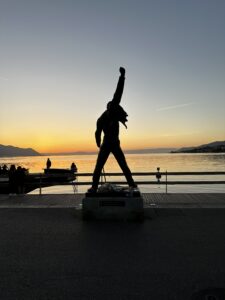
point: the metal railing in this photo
(161, 178)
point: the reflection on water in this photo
(137, 163)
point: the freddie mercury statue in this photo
(108, 122)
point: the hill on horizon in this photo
(213, 147)
(218, 146)
(8, 151)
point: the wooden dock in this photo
(151, 200)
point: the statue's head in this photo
(117, 112)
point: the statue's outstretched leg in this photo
(118, 153)
(101, 160)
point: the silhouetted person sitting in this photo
(48, 164)
(109, 124)
(4, 169)
(73, 167)
(12, 180)
(20, 179)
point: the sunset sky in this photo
(59, 66)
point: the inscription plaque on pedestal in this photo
(125, 204)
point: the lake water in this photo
(137, 163)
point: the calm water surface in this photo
(137, 163)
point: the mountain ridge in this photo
(9, 151)
(213, 147)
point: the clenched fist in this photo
(122, 71)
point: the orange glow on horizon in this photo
(53, 142)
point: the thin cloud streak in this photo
(175, 106)
(3, 78)
(180, 134)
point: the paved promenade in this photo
(51, 253)
(151, 200)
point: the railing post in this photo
(40, 190)
(166, 181)
(158, 175)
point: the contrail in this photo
(180, 134)
(174, 106)
(3, 78)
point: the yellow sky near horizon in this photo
(55, 143)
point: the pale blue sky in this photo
(59, 67)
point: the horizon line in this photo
(141, 150)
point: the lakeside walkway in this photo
(151, 200)
(51, 253)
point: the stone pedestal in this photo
(113, 206)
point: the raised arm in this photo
(119, 89)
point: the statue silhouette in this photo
(109, 124)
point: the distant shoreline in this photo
(214, 147)
(138, 151)
(85, 153)
(95, 153)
